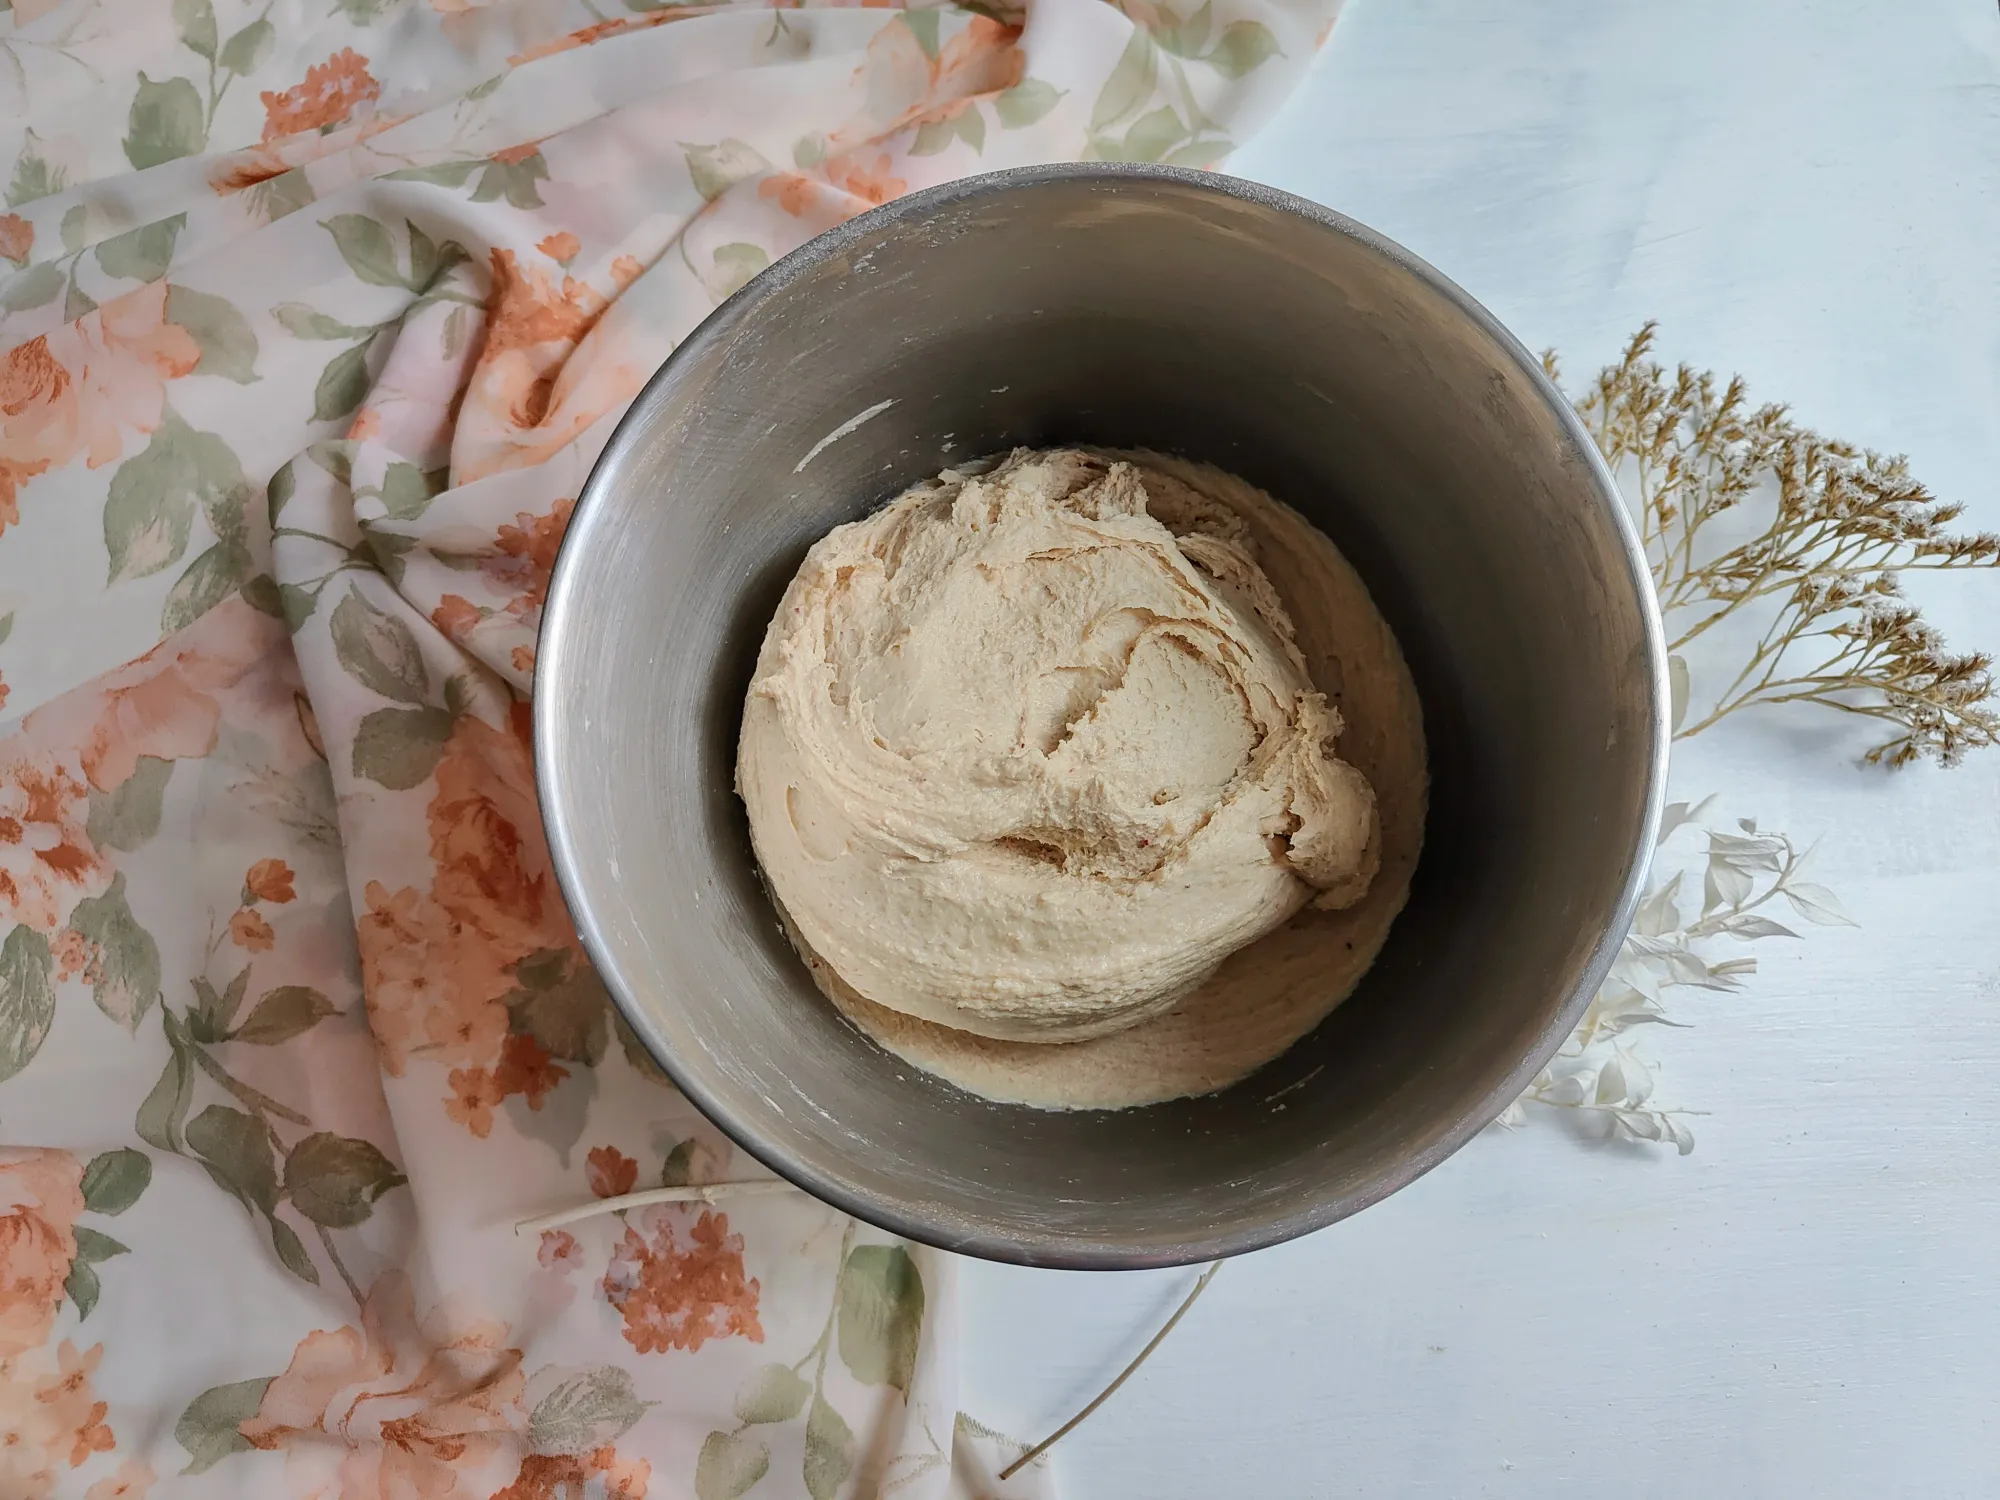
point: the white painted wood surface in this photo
(1807, 192)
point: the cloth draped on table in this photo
(316, 313)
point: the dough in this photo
(1029, 754)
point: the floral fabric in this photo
(316, 313)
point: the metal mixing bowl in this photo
(1134, 308)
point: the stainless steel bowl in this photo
(1140, 308)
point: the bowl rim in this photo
(1026, 1244)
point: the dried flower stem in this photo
(1124, 1375)
(1742, 871)
(706, 1193)
(1845, 523)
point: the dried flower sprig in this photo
(1843, 523)
(1744, 872)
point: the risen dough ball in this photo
(1029, 754)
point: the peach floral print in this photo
(525, 556)
(527, 398)
(132, 1482)
(269, 880)
(675, 1295)
(40, 1196)
(163, 705)
(492, 867)
(524, 1068)
(394, 1407)
(561, 1477)
(794, 194)
(73, 392)
(559, 1250)
(47, 861)
(49, 1420)
(330, 94)
(455, 616)
(560, 247)
(73, 954)
(906, 86)
(17, 238)
(873, 185)
(250, 932)
(531, 325)
(611, 1172)
(583, 36)
(438, 965)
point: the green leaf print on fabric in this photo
(1244, 45)
(165, 123)
(129, 814)
(126, 967)
(210, 1018)
(677, 1170)
(210, 578)
(585, 1411)
(730, 1463)
(194, 21)
(284, 194)
(407, 491)
(153, 496)
(236, 1150)
(399, 747)
(362, 12)
(163, 1111)
(563, 1005)
(639, 1058)
(115, 1180)
(1185, 38)
(773, 1393)
(390, 549)
(923, 25)
(288, 1011)
(142, 254)
(27, 998)
(82, 1285)
(513, 180)
(208, 1428)
(881, 1314)
(454, 174)
(379, 651)
(716, 169)
(344, 382)
(334, 1180)
(365, 245)
(1131, 82)
(246, 50)
(735, 265)
(292, 1252)
(1153, 135)
(228, 347)
(34, 177)
(1025, 103)
(829, 1450)
(934, 136)
(35, 287)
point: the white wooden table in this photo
(1808, 192)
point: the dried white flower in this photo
(1604, 1084)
